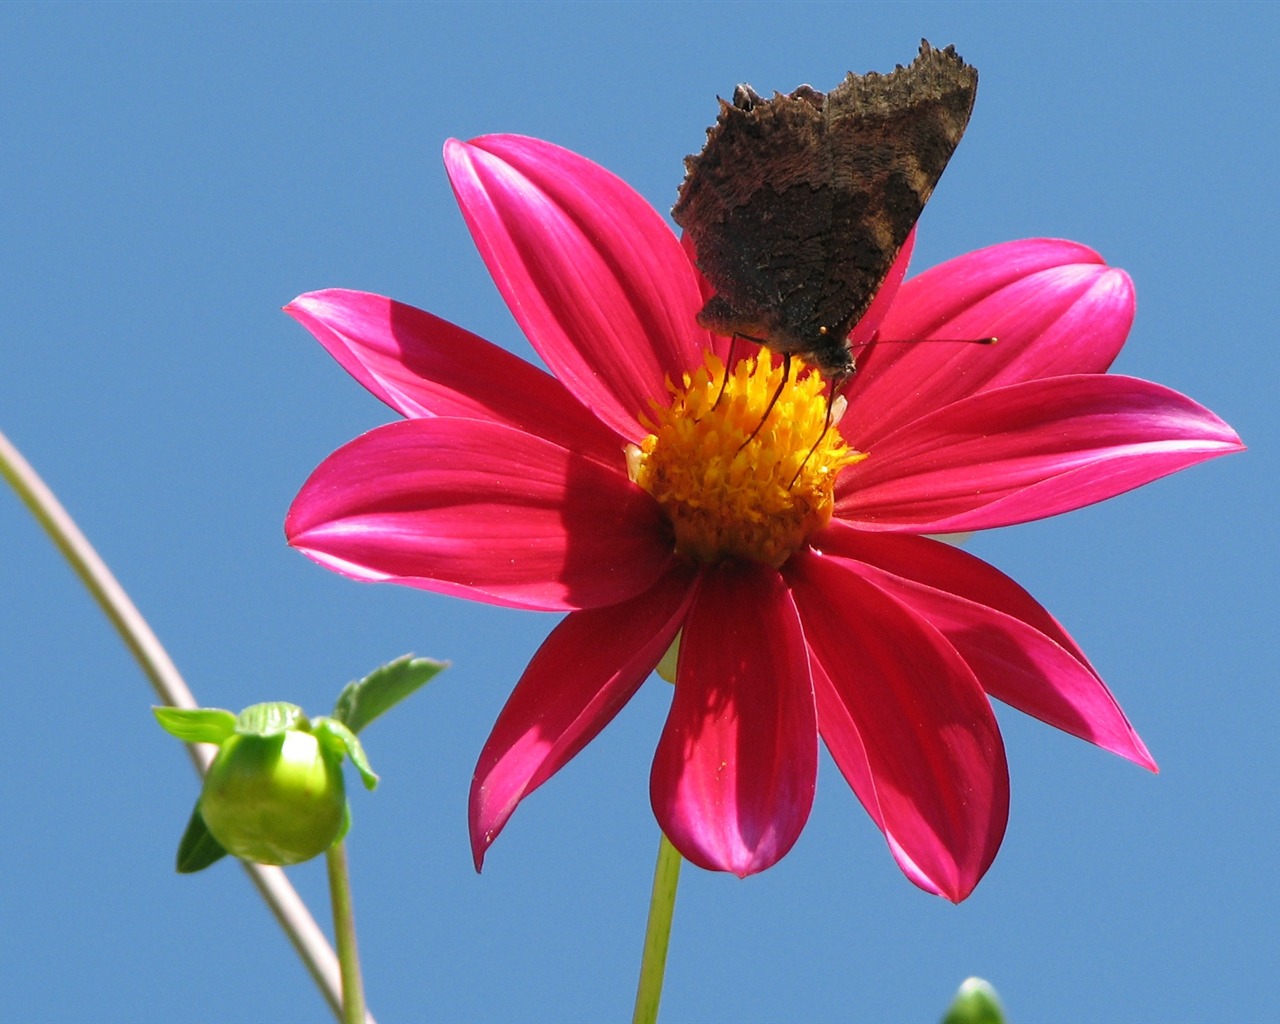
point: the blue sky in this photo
(172, 175)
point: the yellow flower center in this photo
(735, 483)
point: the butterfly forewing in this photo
(798, 205)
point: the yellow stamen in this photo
(730, 494)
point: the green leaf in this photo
(199, 725)
(198, 849)
(976, 1002)
(360, 703)
(338, 738)
(270, 719)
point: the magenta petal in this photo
(582, 675)
(1017, 650)
(841, 736)
(591, 272)
(480, 510)
(908, 725)
(421, 365)
(1054, 306)
(1029, 451)
(734, 774)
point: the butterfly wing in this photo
(759, 227)
(798, 205)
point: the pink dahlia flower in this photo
(636, 489)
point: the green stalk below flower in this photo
(657, 936)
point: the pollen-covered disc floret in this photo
(734, 483)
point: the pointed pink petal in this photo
(1017, 650)
(734, 775)
(841, 736)
(483, 511)
(908, 725)
(421, 365)
(1028, 451)
(592, 273)
(1054, 306)
(582, 675)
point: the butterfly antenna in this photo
(925, 341)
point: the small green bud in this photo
(275, 799)
(274, 793)
(976, 1002)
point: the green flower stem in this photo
(662, 905)
(344, 931)
(280, 896)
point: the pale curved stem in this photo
(281, 897)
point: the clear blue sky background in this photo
(170, 176)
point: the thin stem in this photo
(662, 905)
(344, 931)
(282, 899)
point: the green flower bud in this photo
(976, 1002)
(275, 799)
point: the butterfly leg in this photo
(826, 425)
(728, 363)
(786, 375)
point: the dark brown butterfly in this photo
(798, 205)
